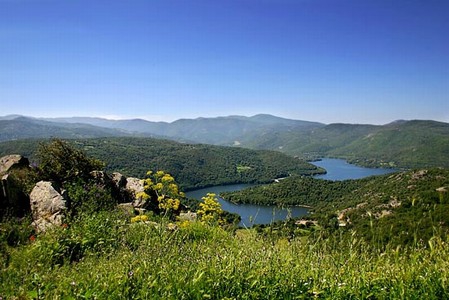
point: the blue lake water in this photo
(337, 169)
(250, 213)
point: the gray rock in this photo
(48, 205)
(13, 198)
(10, 162)
(135, 186)
(187, 216)
(119, 180)
(102, 179)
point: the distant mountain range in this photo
(415, 143)
(218, 131)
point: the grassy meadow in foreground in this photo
(105, 256)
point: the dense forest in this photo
(402, 207)
(194, 165)
(402, 144)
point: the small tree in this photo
(59, 161)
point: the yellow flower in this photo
(140, 218)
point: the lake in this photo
(250, 213)
(337, 169)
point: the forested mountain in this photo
(193, 165)
(132, 126)
(218, 131)
(419, 144)
(403, 144)
(23, 128)
(400, 144)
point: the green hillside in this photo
(401, 144)
(406, 144)
(24, 128)
(194, 165)
(404, 207)
(418, 144)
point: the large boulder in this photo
(10, 162)
(48, 205)
(102, 179)
(135, 186)
(119, 180)
(13, 198)
(120, 185)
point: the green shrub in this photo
(87, 197)
(59, 161)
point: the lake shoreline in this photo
(252, 214)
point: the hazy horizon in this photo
(112, 118)
(328, 61)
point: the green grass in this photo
(120, 260)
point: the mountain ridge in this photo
(399, 144)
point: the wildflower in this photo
(140, 218)
(65, 225)
(32, 239)
(172, 226)
(210, 209)
(73, 283)
(130, 274)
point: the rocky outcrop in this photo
(10, 162)
(13, 199)
(102, 179)
(119, 180)
(48, 205)
(135, 186)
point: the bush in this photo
(59, 161)
(87, 197)
(90, 234)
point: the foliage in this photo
(139, 218)
(119, 260)
(59, 161)
(25, 178)
(193, 165)
(86, 196)
(161, 188)
(399, 208)
(406, 144)
(297, 190)
(210, 211)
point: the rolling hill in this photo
(401, 144)
(405, 144)
(22, 128)
(193, 165)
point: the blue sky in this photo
(351, 61)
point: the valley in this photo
(400, 144)
(379, 223)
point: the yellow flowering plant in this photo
(210, 210)
(164, 187)
(139, 218)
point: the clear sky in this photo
(352, 61)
